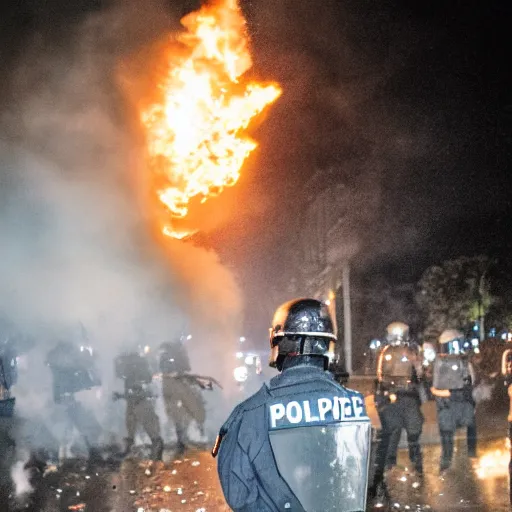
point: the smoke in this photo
(78, 254)
(21, 478)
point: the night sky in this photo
(417, 94)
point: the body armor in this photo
(133, 369)
(395, 370)
(73, 370)
(174, 358)
(451, 372)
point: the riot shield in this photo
(451, 372)
(326, 466)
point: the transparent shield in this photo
(326, 467)
(450, 372)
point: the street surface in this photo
(190, 484)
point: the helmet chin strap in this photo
(302, 344)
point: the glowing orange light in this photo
(494, 463)
(195, 131)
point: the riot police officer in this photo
(452, 388)
(302, 442)
(134, 369)
(8, 377)
(506, 371)
(73, 370)
(398, 399)
(180, 391)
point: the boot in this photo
(447, 450)
(181, 448)
(95, 455)
(378, 494)
(127, 447)
(471, 441)
(157, 449)
(415, 455)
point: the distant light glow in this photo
(493, 464)
(374, 344)
(239, 355)
(240, 373)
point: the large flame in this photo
(494, 463)
(195, 131)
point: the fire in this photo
(195, 131)
(494, 463)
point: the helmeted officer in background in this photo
(398, 398)
(181, 392)
(8, 377)
(73, 370)
(302, 442)
(133, 367)
(453, 391)
(506, 371)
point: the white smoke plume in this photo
(76, 250)
(20, 477)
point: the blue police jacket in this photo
(301, 396)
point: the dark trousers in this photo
(510, 463)
(406, 414)
(450, 416)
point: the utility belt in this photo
(399, 388)
(462, 395)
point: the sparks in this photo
(196, 143)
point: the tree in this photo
(454, 294)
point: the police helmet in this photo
(506, 362)
(173, 357)
(451, 342)
(397, 332)
(301, 327)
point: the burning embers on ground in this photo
(188, 484)
(195, 128)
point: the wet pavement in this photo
(190, 484)
(479, 485)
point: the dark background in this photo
(417, 96)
